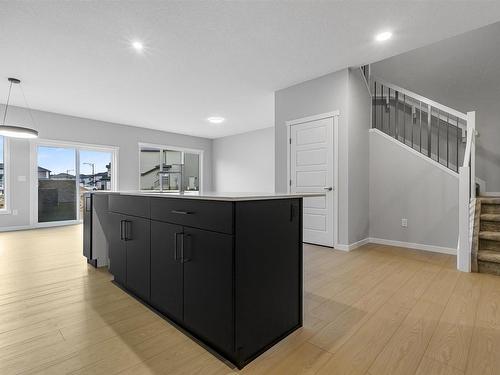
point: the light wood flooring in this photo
(377, 310)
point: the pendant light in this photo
(16, 131)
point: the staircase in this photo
(486, 237)
(434, 130)
(447, 137)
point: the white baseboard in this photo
(408, 245)
(352, 246)
(417, 246)
(17, 227)
(37, 226)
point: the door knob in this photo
(328, 188)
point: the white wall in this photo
(66, 128)
(463, 73)
(244, 162)
(405, 185)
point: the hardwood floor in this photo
(375, 310)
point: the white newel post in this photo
(471, 126)
(466, 191)
(463, 254)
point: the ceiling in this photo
(205, 58)
(460, 72)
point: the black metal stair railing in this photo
(434, 130)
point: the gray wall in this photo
(463, 73)
(244, 162)
(403, 185)
(66, 128)
(359, 102)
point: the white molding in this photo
(352, 246)
(407, 245)
(37, 226)
(321, 116)
(335, 115)
(169, 147)
(87, 146)
(415, 152)
(416, 246)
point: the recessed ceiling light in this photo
(216, 120)
(137, 45)
(386, 35)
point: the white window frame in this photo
(34, 144)
(6, 177)
(172, 148)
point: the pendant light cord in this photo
(7, 106)
(27, 106)
(25, 102)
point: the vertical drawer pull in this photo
(175, 244)
(184, 259)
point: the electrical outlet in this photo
(14, 211)
(21, 178)
(404, 223)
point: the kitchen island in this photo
(226, 268)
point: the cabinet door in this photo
(87, 226)
(166, 269)
(208, 286)
(137, 239)
(117, 252)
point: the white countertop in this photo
(216, 196)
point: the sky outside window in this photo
(99, 158)
(62, 160)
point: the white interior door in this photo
(311, 171)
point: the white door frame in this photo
(335, 115)
(33, 178)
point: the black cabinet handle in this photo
(121, 230)
(127, 230)
(185, 259)
(175, 244)
(181, 212)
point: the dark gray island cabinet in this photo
(227, 271)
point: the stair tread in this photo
(486, 235)
(490, 217)
(490, 200)
(489, 256)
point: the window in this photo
(65, 171)
(2, 175)
(168, 169)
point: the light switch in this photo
(21, 178)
